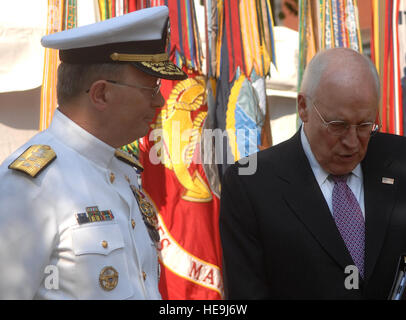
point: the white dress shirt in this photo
(355, 179)
(38, 226)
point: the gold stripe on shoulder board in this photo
(129, 159)
(33, 160)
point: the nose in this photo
(158, 101)
(350, 139)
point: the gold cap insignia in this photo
(108, 278)
(139, 57)
(33, 160)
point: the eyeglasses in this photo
(155, 89)
(339, 128)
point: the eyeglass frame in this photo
(373, 131)
(155, 90)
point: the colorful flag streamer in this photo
(326, 24)
(241, 42)
(61, 16)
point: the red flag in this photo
(175, 180)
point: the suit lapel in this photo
(379, 199)
(307, 201)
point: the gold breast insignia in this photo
(108, 278)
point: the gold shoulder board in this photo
(129, 159)
(33, 160)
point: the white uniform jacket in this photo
(45, 253)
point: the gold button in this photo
(114, 56)
(133, 223)
(105, 244)
(112, 177)
(144, 275)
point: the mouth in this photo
(348, 157)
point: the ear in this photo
(302, 107)
(98, 95)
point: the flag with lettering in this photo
(175, 180)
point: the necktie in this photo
(349, 220)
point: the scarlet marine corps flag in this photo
(175, 181)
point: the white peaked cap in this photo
(139, 38)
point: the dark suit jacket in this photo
(280, 240)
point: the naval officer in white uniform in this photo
(74, 223)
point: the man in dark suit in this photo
(324, 215)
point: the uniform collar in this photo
(320, 174)
(78, 139)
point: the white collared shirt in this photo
(40, 235)
(355, 180)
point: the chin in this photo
(341, 170)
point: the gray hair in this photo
(75, 79)
(321, 60)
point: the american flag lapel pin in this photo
(386, 180)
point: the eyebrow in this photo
(338, 119)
